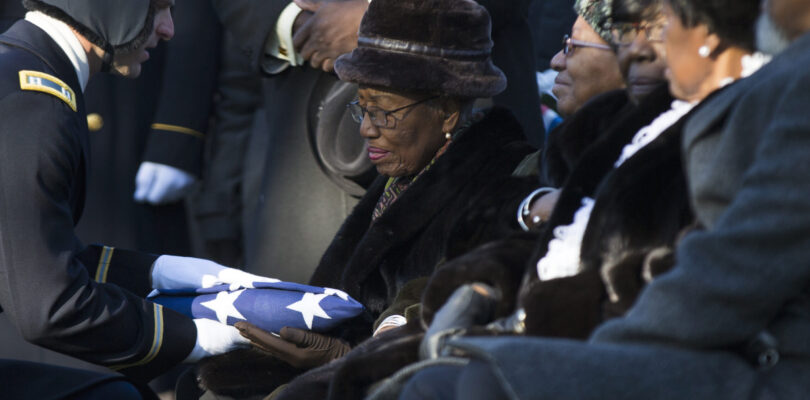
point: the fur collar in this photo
(567, 142)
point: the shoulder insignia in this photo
(42, 82)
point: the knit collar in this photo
(61, 33)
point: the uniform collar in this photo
(61, 33)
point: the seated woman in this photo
(419, 66)
(605, 240)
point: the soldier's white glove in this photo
(173, 272)
(215, 338)
(161, 184)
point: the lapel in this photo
(418, 206)
(34, 40)
(711, 111)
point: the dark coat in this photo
(640, 209)
(52, 287)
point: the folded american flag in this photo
(268, 305)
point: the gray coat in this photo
(690, 334)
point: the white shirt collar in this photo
(61, 33)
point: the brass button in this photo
(94, 122)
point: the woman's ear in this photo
(452, 114)
(714, 44)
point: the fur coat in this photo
(373, 262)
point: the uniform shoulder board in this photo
(42, 82)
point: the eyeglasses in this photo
(625, 33)
(379, 117)
(569, 44)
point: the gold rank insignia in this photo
(94, 122)
(42, 82)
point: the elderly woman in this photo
(419, 66)
(606, 238)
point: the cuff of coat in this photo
(169, 343)
(177, 146)
(128, 269)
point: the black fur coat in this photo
(640, 210)
(374, 262)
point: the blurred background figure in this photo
(147, 138)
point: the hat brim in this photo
(408, 72)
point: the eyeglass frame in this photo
(570, 43)
(359, 112)
(637, 27)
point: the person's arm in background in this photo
(173, 155)
(252, 24)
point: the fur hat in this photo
(114, 25)
(432, 46)
(596, 14)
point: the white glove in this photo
(173, 272)
(214, 338)
(161, 184)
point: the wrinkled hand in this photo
(214, 338)
(161, 184)
(329, 32)
(173, 272)
(297, 347)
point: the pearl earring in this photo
(448, 135)
(704, 51)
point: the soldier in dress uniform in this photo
(84, 301)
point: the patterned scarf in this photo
(397, 185)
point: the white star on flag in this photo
(338, 293)
(309, 307)
(223, 306)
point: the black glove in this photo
(297, 347)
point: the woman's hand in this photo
(297, 347)
(541, 208)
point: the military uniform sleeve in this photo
(44, 286)
(128, 269)
(186, 97)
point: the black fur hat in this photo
(433, 46)
(114, 25)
